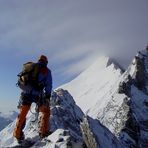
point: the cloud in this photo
(70, 33)
(80, 65)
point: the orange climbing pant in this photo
(20, 123)
(21, 120)
(44, 120)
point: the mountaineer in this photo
(35, 81)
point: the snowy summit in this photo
(94, 84)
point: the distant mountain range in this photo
(6, 118)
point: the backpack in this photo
(28, 77)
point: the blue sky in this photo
(71, 33)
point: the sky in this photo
(71, 33)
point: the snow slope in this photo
(92, 85)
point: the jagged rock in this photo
(134, 134)
(88, 135)
(98, 136)
(146, 48)
(125, 113)
(146, 103)
(140, 73)
(130, 131)
(65, 113)
(124, 87)
(115, 122)
(64, 123)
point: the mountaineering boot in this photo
(21, 139)
(25, 143)
(42, 136)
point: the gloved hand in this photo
(47, 100)
(47, 96)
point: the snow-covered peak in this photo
(92, 84)
(98, 65)
(142, 53)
